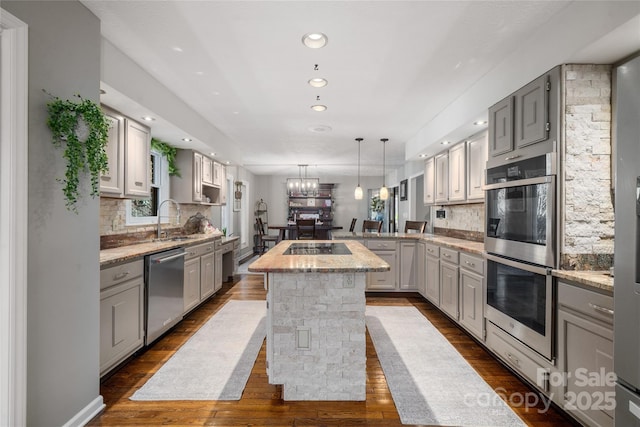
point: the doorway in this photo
(13, 220)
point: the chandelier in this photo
(303, 186)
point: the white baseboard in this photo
(87, 413)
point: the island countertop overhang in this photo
(361, 259)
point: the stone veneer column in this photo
(588, 218)
(331, 309)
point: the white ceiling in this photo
(394, 69)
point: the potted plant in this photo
(377, 206)
(83, 129)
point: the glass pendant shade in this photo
(384, 193)
(358, 194)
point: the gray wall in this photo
(63, 270)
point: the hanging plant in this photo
(84, 130)
(169, 152)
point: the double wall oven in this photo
(521, 246)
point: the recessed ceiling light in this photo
(318, 107)
(480, 122)
(177, 49)
(148, 118)
(187, 139)
(228, 162)
(320, 128)
(314, 40)
(444, 142)
(212, 154)
(236, 112)
(319, 82)
(200, 73)
(215, 92)
(422, 156)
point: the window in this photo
(144, 211)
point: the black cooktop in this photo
(317, 249)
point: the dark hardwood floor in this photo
(261, 403)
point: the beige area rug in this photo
(215, 363)
(430, 381)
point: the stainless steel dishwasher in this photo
(164, 282)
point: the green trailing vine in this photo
(66, 118)
(169, 152)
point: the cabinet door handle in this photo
(513, 157)
(471, 264)
(138, 183)
(446, 255)
(105, 178)
(121, 275)
(601, 309)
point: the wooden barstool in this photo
(371, 226)
(417, 226)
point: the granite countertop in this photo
(130, 252)
(594, 279)
(360, 260)
(451, 242)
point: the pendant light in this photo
(384, 192)
(358, 193)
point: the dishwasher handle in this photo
(168, 258)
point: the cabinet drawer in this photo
(472, 263)
(591, 303)
(449, 255)
(498, 341)
(205, 248)
(432, 250)
(224, 247)
(121, 273)
(381, 245)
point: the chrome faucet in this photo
(177, 215)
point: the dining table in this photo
(289, 231)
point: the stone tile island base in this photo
(316, 335)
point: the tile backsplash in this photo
(113, 216)
(466, 221)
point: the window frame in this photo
(161, 181)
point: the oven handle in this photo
(515, 264)
(519, 183)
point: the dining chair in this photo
(306, 229)
(417, 226)
(263, 237)
(371, 226)
(353, 224)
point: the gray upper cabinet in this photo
(526, 123)
(476, 160)
(532, 112)
(501, 127)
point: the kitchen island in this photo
(316, 317)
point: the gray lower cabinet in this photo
(585, 383)
(191, 283)
(199, 274)
(383, 280)
(432, 274)
(408, 263)
(421, 264)
(217, 282)
(121, 313)
(472, 287)
(449, 282)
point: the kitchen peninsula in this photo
(316, 317)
